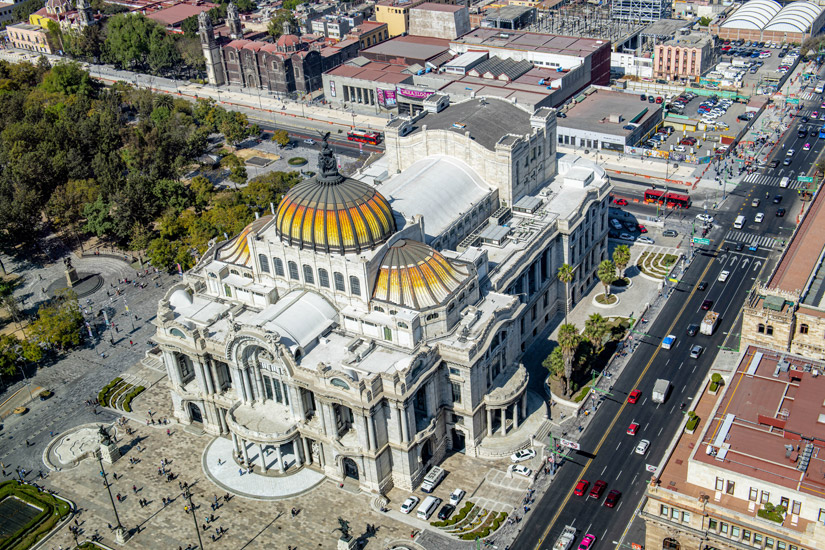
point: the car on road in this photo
(645, 240)
(696, 351)
(522, 455)
(641, 448)
(774, 163)
(755, 203)
(707, 304)
(581, 487)
(409, 504)
(759, 217)
(777, 199)
(522, 470)
(680, 149)
(309, 141)
(612, 498)
(704, 218)
(723, 276)
(780, 212)
(587, 542)
(670, 233)
(633, 428)
(627, 237)
(621, 202)
(692, 330)
(787, 161)
(642, 229)
(634, 396)
(753, 247)
(806, 147)
(456, 496)
(446, 511)
(598, 489)
(702, 286)
(739, 247)
(815, 114)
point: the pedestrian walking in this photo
(134, 489)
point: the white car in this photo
(522, 455)
(645, 240)
(680, 149)
(759, 217)
(456, 496)
(409, 504)
(696, 351)
(522, 470)
(309, 141)
(723, 276)
(705, 218)
(641, 448)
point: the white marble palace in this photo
(369, 327)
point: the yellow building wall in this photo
(396, 18)
(40, 20)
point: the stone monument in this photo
(71, 273)
(109, 451)
(346, 541)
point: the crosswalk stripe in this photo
(750, 238)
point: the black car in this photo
(780, 212)
(777, 199)
(707, 304)
(446, 511)
(692, 330)
(739, 247)
(774, 163)
(804, 119)
(702, 286)
(803, 132)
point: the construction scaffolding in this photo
(640, 11)
(586, 20)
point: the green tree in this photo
(621, 257)
(281, 137)
(189, 26)
(162, 253)
(246, 6)
(565, 275)
(606, 273)
(238, 175)
(9, 345)
(68, 201)
(595, 328)
(554, 363)
(59, 322)
(704, 21)
(276, 22)
(202, 191)
(268, 188)
(140, 238)
(234, 126)
(98, 220)
(569, 338)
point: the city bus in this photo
(822, 132)
(672, 200)
(364, 136)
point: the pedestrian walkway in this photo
(773, 181)
(750, 239)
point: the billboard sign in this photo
(386, 97)
(413, 94)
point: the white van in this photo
(432, 479)
(428, 507)
(784, 182)
(739, 223)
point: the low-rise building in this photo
(439, 20)
(369, 33)
(752, 473)
(26, 36)
(510, 17)
(396, 13)
(686, 56)
(6, 12)
(173, 16)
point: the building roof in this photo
(299, 318)
(795, 17)
(175, 15)
(530, 41)
(506, 12)
(498, 67)
(769, 15)
(415, 47)
(236, 251)
(432, 6)
(415, 276)
(592, 112)
(692, 40)
(333, 214)
(376, 72)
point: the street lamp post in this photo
(187, 494)
(120, 532)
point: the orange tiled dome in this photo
(416, 276)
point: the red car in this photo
(707, 304)
(631, 430)
(621, 202)
(642, 229)
(687, 141)
(634, 396)
(581, 487)
(598, 489)
(612, 498)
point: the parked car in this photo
(446, 511)
(409, 504)
(456, 496)
(627, 237)
(670, 233)
(522, 455)
(309, 141)
(645, 240)
(522, 470)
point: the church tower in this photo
(233, 21)
(211, 50)
(85, 18)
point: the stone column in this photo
(259, 384)
(429, 393)
(524, 405)
(503, 412)
(307, 452)
(405, 422)
(280, 459)
(222, 420)
(247, 387)
(198, 368)
(296, 448)
(322, 412)
(263, 458)
(297, 398)
(172, 367)
(287, 391)
(321, 456)
(245, 452)
(515, 415)
(207, 376)
(371, 431)
(254, 390)
(398, 428)
(489, 421)
(236, 442)
(237, 383)
(213, 370)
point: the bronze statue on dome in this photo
(327, 165)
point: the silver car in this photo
(696, 351)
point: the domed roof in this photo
(288, 40)
(331, 213)
(416, 276)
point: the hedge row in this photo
(53, 510)
(693, 422)
(127, 401)
(487, 529)
(101, 397)
(456, 518)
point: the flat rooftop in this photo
(801, 257)
(432, 6)
(418, 47)
(530, 41)
(689, 40)
(593, 113)
(506, 12)
(374, 72)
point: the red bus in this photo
(364, 136)
(672, 200)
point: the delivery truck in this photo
(709, 323)
(660, 390)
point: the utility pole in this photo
(187, 494)
(120, 532)
(131, 320)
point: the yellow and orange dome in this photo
(416, 276)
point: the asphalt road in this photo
(607, 451)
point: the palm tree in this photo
(606, 274)
(568, 338)
(565, 275)
(594, 330)
(621, 257)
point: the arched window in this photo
(279, 266)
(262, 259)
(309, 277)
(769, 330)
(760, 328)
(293, 270)
(227, 291)
(432, 316)
(354, 286)
(323, 277)
(378, 308)
(339, 282)
(803, 329)
(670, 544)
(247, 275)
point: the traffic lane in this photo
(305, 133)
